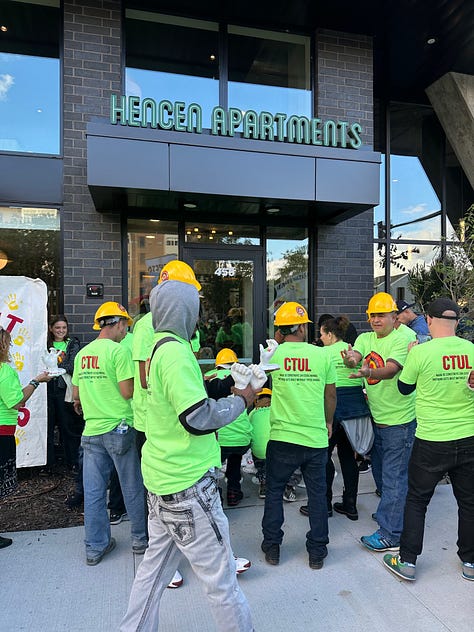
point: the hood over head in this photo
(175, 308)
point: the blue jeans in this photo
(282, 460)
(192, 524)
(429, 461)
(101, 453)
(390, 455)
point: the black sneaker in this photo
(305, 512)
(316, 563)
(350, 512)
(272, 554)
(364, 466)
(116, 518)
(234, 497)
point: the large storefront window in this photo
(287, 269)
(178, 59)
(269, 71)
(30, 246)
(29, 77)
(415, 207)
(172, 58)
(422, 172)
(151, 244)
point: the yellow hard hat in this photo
(177, 270)
(109, 310)
(264, 391)
(381, 303)
(291, 313)
(226, 356)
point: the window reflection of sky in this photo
(412, 198)
(163, 85)
(29, 104)
(205, 92)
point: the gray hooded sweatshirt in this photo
(175, 309)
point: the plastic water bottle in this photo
(122, 428)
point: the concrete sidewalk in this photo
(47, 587)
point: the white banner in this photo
(23, 312)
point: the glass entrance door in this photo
(232, 304)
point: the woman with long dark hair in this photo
(61, 412)
(12, 397)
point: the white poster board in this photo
(23, 312)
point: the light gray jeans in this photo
(190, 523)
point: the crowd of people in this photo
(143, 413)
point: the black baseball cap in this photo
(403, 305)
(437, 308)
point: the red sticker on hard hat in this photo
(121, 307)
(164, 275)
(300, 311)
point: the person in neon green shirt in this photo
(383, 353)
(441, 371)
(102, 390)
(303, 404)
(12, 398)
(179, 459)
(234, 439)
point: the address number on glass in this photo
(225, 269)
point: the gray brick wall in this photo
(344, 91)
(344, 79)
(92, 70)
(344, 269)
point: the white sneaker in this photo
(241, 565)
(289, 494)
(177, 580)
(247, 463)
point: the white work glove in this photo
(258, 378)
(241, 375)
(267, 354)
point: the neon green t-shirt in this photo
(342, 372)
(387, 405)
(172, 458)
(60, 344)
(10, 394)
(142, 347)
(98, 368)
(297, 410)
(444, 403)
(260, 421)
(408, 333)
(127, 342)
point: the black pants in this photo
(429, 461)
(234, 455)
(349, 469)
(71, 425)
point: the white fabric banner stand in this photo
(23, 312)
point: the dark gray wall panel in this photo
(31, 180)
(127, 163)
(347, 181)
(248, 174)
